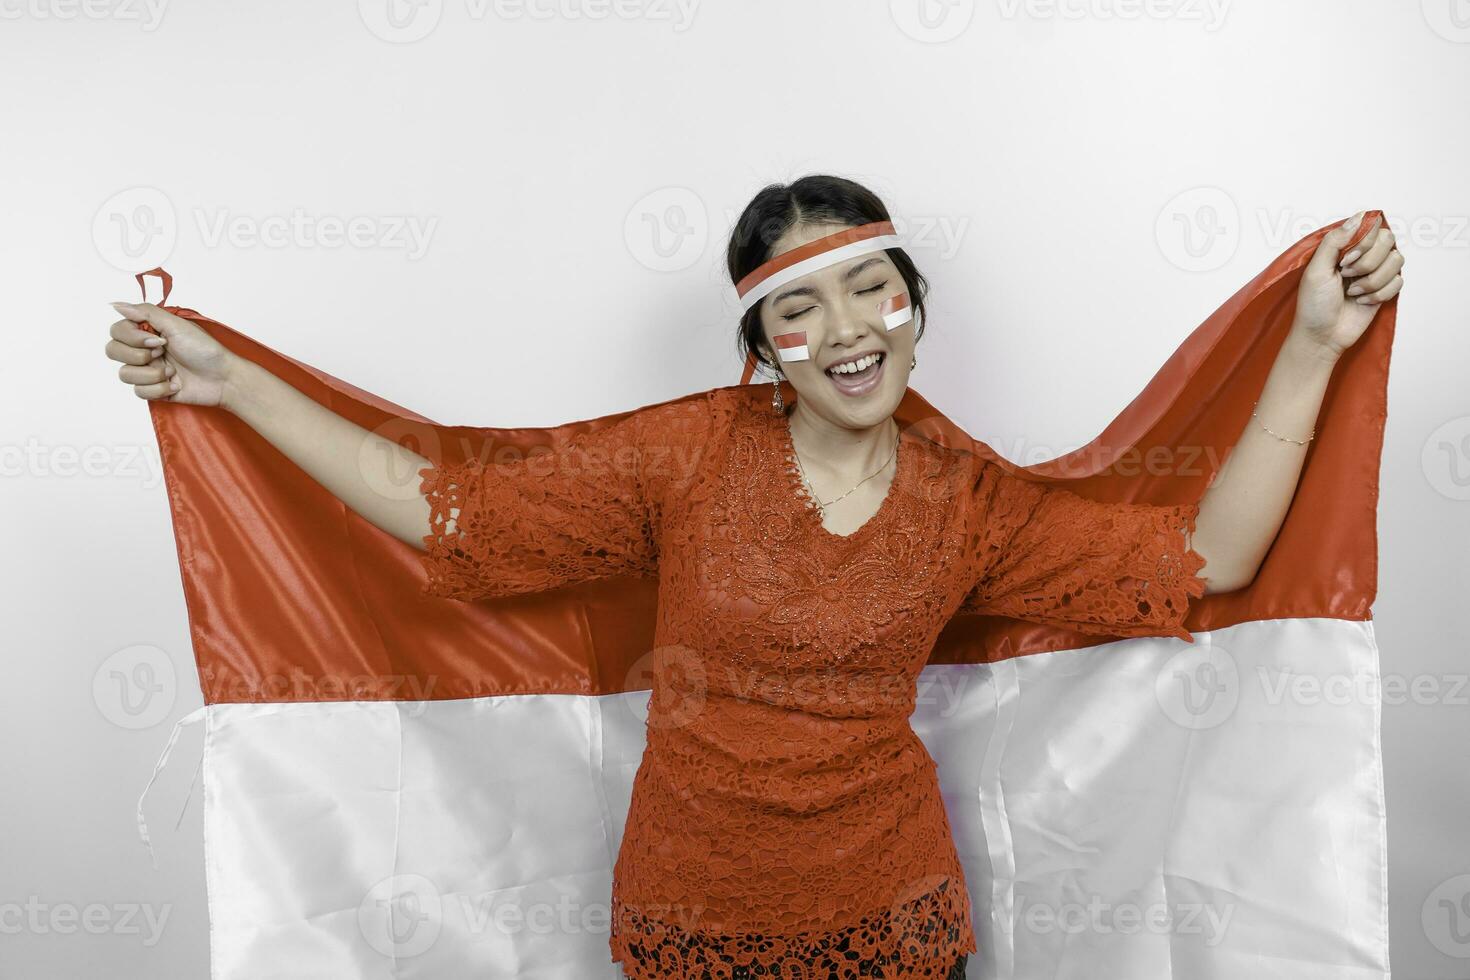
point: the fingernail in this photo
(1363, 299)
(1351, 257)
(173, 386)
(1355, 290)
(153, 342)
(155, 353)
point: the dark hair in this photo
(814, 199)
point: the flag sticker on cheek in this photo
(792, 346)
(896, 311)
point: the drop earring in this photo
(913, 362)
(778, 404)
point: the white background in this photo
(1087, 180)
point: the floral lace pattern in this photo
(1048, 555)
(786, 821)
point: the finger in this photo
(119, 351)
(1369, 253)
(144, 374)
(156, 316)
(162, 389)
(1324, 260)
(1380, 276)
(130, 333)
(1385, 294)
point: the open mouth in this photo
(858, 377)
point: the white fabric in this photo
(1124, 775)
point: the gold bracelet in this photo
(1299, 442)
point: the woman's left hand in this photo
(1337, 298)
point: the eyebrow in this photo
(847, 276)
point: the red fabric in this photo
(783, 791)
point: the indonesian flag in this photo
(401, 785)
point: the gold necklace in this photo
(812, 490)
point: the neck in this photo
(837, 451)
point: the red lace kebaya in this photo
(785, 812)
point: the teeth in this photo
(854, 367)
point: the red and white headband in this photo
(805, 259)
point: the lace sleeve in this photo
(1046, 554)
(583, 510)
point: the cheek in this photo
(791, 346)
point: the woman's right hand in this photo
(181, 363)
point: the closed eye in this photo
(808, 309)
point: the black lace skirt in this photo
(879, 968)
(957, 972)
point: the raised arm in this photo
(1244, 507)
(195, 369)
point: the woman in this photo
(785, 820)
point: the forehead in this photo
(802, 234)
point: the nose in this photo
(853, 320)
